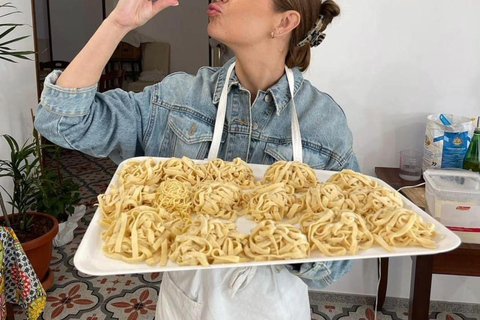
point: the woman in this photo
(177, 117)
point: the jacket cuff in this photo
(319, 275)
(66, 101)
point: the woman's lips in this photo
(213, 10)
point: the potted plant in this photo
(35, 230)
(6, 52)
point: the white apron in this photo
(248, 293)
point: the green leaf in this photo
(7, 5)
(10, 13)
(16, 53)
(7, 32)
(13, 40)
(11, 24)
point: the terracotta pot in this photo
(39, 251)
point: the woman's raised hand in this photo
(132, 14)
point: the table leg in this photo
(134, 74)
(10, 315)
(420, 287)
(382, 288)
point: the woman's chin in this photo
(213, 31)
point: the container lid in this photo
(449, 180)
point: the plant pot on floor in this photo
(39, 250)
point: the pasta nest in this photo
(348, 179)
(326, 196)
(208, 241)
(298, 175)
(184, 170)
(175, 197)
(268, 241)
(237, 171)
(401, 227)
(368, 200)
(338, 233)
(121, 199)
(139, 235)
(218, 199)
(272, 202)
(141, 173)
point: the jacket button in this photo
(255, 126)
(268, 98)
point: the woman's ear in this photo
(290, 20)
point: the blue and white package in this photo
(446, 145)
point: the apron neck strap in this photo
(220, 120)
(222, 110)
(296, 136)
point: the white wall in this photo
(18, 92)
(389, 64)
(73, 23)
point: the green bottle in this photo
(472, 158)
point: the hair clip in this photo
(315, 37)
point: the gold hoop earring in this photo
(273, 34)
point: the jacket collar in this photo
(279, 91)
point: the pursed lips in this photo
(214, 9)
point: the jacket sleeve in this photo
(112, 124)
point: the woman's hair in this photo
(309, 10)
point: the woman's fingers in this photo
(159, 5)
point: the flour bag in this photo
(446, 145)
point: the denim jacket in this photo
(176, 117)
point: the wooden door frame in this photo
(35, 38)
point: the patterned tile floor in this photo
(133, 297)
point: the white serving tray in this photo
(89, 258)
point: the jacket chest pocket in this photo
(278, 152)
(187, 136)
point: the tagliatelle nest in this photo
(298, 175)
(218, 199)
(269, 241)
(348, 179)
(272, 202)
(237, 171)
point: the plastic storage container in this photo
(453, 198)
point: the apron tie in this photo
(240, 279)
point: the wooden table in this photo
(463, 261)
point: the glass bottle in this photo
(472, 158)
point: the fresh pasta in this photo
(370, 200)
(217, 199)
(272, 202)
(174, 196)
(185, 212)
(401, 227)
(208, 241)
(348, 179)
(339, 233)
(269, 241)
(183, 170)
(236, 171)
(141, 173)
(298, 175)
(326, 196)
(139, 235)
